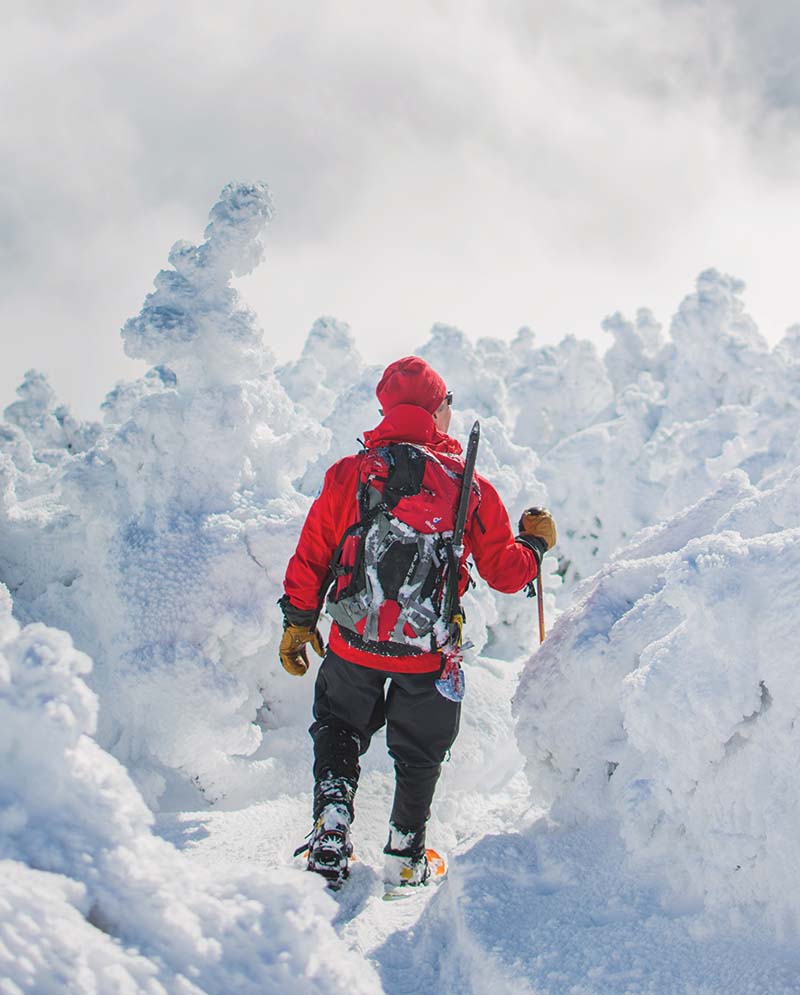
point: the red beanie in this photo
(411, 381)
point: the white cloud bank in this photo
(481, 165)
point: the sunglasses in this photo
(448, 400)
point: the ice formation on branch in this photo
(328, 366)
(193, 321)
(50, 428)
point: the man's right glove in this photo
(297, 632)
(537, 530)
(293, 653)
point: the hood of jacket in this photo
(411, 423)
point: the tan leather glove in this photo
(538, 524)
(293, 653)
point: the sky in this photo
(484, 164)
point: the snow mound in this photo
(92, 901)
(667, 698)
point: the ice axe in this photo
(538, 553)
(451, 681)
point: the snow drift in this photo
(668, 697)
(91, 900)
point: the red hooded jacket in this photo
(504, 564)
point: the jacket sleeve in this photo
(327, 519)
(505, 564)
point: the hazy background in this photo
(485, 164)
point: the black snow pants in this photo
(350, 706)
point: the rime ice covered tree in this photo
(188, 512)
(50, 427)
(718, 356)
(328, 366)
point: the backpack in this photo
(390, 568)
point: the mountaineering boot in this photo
(406, 862)
(329, 848)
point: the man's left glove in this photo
(297, 632)
(537, 530)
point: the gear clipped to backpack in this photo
(390, 570)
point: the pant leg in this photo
(422, 726)
(348, 710)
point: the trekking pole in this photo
(540, 604)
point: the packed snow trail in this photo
(548, 910)
(528, 907)
(542, 910)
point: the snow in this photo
(630, 826)
(667, 698)
(174, 528)
(123, 909)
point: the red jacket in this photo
(504, 564)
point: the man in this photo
(392, 504)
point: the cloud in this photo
(487, 164)
(759, 62)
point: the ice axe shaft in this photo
(540, 605)
(534, 512)
(451, 680)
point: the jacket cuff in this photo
(296, 616)
(537, 546)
